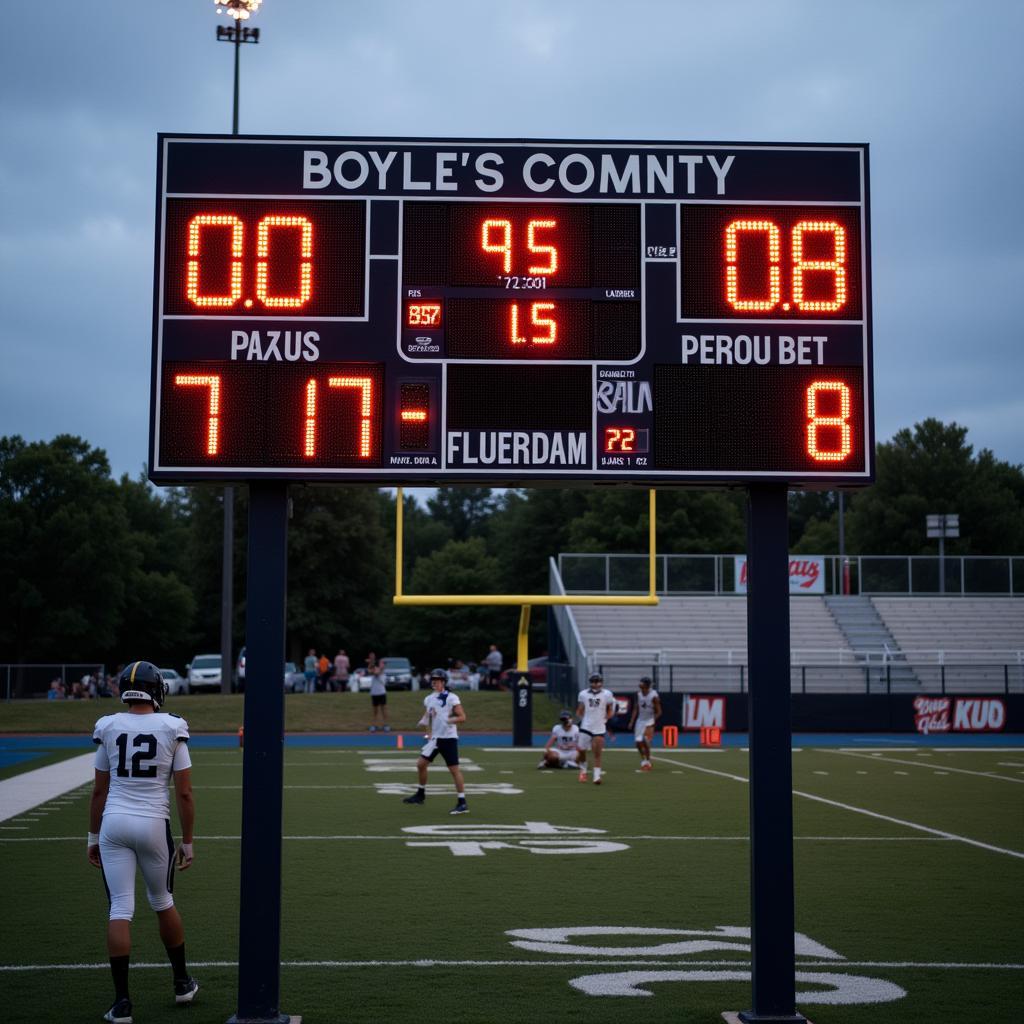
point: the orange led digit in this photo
(628, 437)
(541, 321)
(365, 386)
(213, 411)
(532, 245)
(612, 436)
(305, 263)
(517, 338)
(414, 415)
(816, 421)
(195, 227)
(504, 247)
(732, 287)
(310, 446)
(836, 265)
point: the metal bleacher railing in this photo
(583, 573)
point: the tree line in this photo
(98, 569)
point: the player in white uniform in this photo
(442, 714)
(596, 706)
(560, 751)
(646, 711)
(138, 751)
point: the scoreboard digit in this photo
(507, 312)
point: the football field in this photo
(557, 899)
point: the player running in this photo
(443, 712)
(129, 823)
(560, 751)
(595, 708)
(646, 712)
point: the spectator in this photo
(77, 693)
(493, 661)
(56, 691)
(309, 670)
(379, 699)
(323, 670)
(341, 666)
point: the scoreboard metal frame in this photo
(511, 312)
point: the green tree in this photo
(68, 554)
(340, 572)
(464, 510)
(431, 635)
(932, 468)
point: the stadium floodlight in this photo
(240, 10)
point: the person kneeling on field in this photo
(129, 824)
(560, 751)
(443, 711)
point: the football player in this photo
(594, 710)
(646, 712)
(560, 751)
(138, 751)
(442, 714)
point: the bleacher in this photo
(966, 644)
(699, 644)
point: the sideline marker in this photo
(710, 736)
(669, 736)
(400, 741)
(241, 735)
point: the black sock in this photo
(177, 958)
(421, 791)
(119, 969)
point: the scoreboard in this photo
(427, 311)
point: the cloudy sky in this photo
(936, 88)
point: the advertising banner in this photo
(806, 574)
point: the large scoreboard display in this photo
(427, 311)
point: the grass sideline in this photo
(486, 711)
(384, 924)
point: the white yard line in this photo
(30, 789)
(918, 764)
(861, 810)
(632, 838)
(593, 962)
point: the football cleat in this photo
(460, 808)
(185, 989)
(645, 766)
(120, 1012)
(416, 798)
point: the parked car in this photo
(240, 672)
(397, 675)
(294, 680)
(176, 683)
(204, 673)
(537, 669)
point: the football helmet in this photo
(565, 716)
(645, 680)
(596, 681)
(439, 673)
(141, 680)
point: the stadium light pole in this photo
(236, 33)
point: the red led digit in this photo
(423, 314)
(836, 266)
(414, 415)
(504, 229)
(263, 229)
(365, 387)
(628, 437)
(213, 412)
(549, 324)
(841, 421)
(192, 283)
(732, 286)
(612, 437)
(550, 250)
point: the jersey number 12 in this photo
(147, 744)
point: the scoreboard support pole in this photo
(259, 942)
(771, 769)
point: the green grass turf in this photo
(872, 890)
(313, 712)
